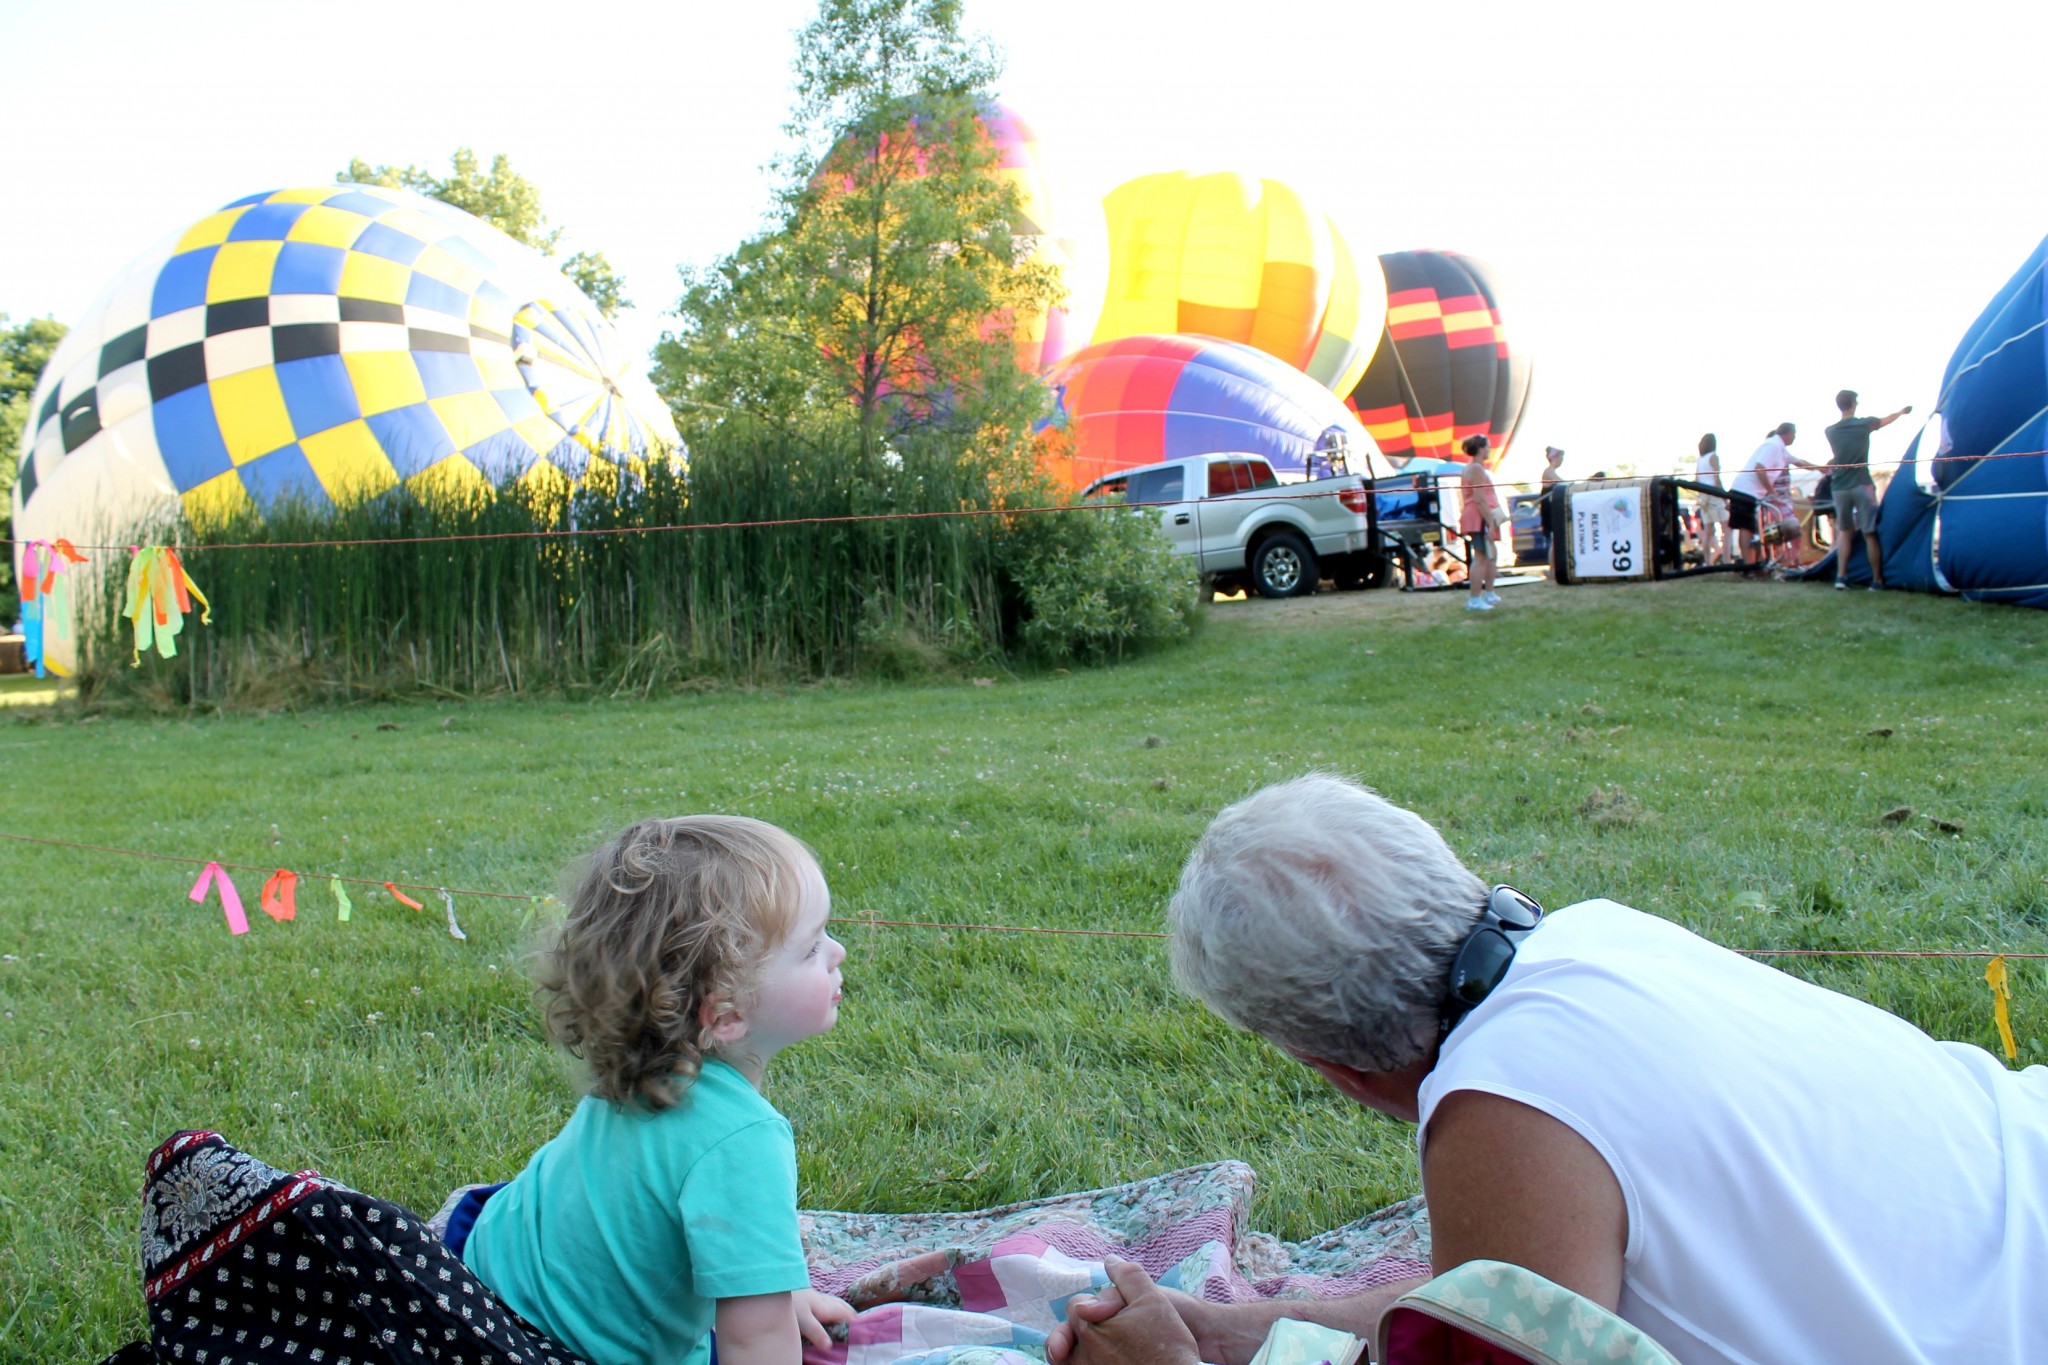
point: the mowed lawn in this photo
(1723, 753)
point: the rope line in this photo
(261, 867)
(853, 518)
(873, 921)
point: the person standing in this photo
(1767, 478)
(1479, 519)
(1855, 491)
(1715, 535)
(1553, 456)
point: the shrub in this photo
(1098, 584)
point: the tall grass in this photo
(605, 614)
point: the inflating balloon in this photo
(326, 344)
(1955, 519)
(1138, 400)
(1042, 338)
(1445, 369)
(1246, 260)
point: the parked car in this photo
(1245, 528)
(1525, 520)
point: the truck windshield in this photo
(1157, 485)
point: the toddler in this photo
(694, 950)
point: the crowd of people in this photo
(1761, 528)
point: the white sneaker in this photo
(1492, 597)
(1478, 604)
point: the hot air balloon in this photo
(1445, 368)
(1138, 400)
(324, 344)
(1042, 336)
(1247, 260)
(1954, 518)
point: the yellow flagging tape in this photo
(1996, 977)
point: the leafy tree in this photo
(882, 293)
(509, 202)
(24, 351)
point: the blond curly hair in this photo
(668, 915)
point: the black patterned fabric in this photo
(244, 1264)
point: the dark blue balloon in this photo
(1954, 520)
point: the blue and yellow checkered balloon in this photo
(327, 344)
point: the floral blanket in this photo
(985, 1288)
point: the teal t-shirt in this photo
(622, 1233)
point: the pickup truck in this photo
(1245, 528)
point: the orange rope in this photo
(873, 922)
(847, 519)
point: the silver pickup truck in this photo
(1247, 529)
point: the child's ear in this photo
(722, 1021)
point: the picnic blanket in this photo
(985, 1288)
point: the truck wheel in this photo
(1284, 566)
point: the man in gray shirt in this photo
(1854, 491)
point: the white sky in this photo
(1707, 216)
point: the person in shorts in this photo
(1479, 521)
(1772, 527)
(1855, 491)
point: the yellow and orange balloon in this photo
(1246, 260)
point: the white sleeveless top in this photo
(1808, 1178)
(1704, 471)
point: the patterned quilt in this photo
(985, 1288)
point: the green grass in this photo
(1724, 727)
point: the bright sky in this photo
(1707, 217)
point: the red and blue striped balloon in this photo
(1141, 399)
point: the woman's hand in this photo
(816, 1313)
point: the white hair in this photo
(1324, 918)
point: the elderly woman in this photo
(1745, 1166)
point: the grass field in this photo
(1704, 750)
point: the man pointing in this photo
(1855, 491)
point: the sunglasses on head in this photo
(1482, 960)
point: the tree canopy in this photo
(883, 293)
(509, 202)
(24, 351)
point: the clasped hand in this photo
(1131, 1322)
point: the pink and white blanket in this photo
(985, 1288)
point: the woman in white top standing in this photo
(1715, 537)
(1767, 477)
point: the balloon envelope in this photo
(324, 344)
(1042, 338)
(1247, 260)
(1953, 520)
(1445, 368)
(1138, 400)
